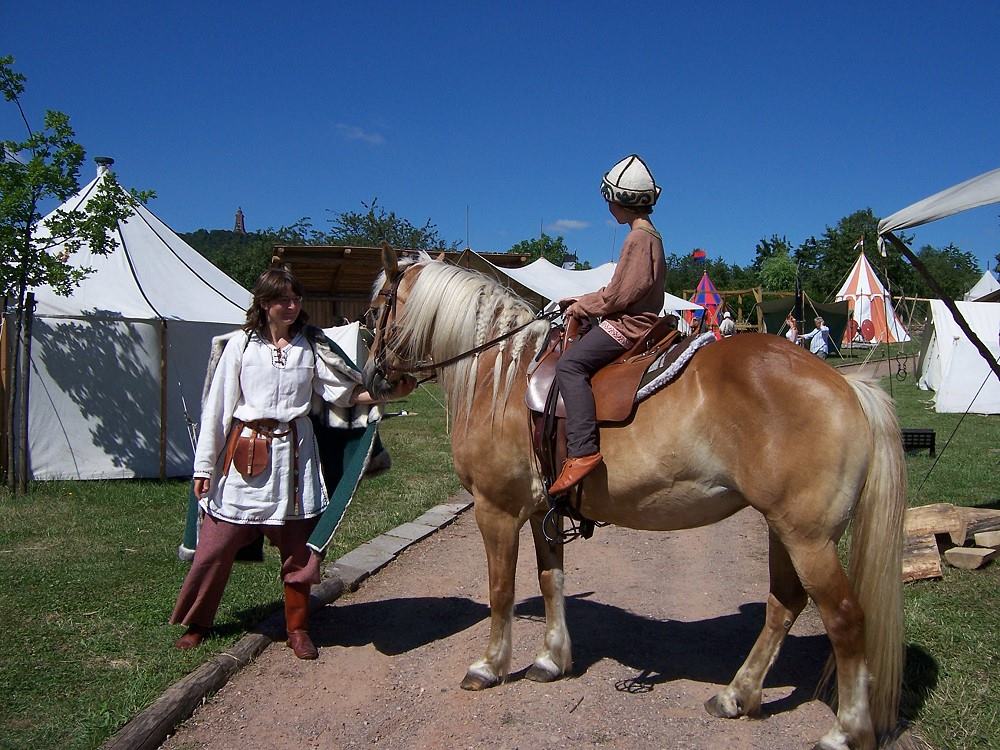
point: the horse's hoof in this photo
(542, 673)
(837, 740)
(723, 709)
(477, 681)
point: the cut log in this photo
(981, 519)
(921, 558)
(938, 518)
(988, 539)
(968, 558)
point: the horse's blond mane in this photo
(450, 310)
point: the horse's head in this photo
(385, 367)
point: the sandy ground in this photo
(659, 622)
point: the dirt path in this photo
(659, 622)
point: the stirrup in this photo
(578, 525)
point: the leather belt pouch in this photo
(252, 454)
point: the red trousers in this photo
(218, 543)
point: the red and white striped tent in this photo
(874, 318)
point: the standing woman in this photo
(272, 486)
(628, 306)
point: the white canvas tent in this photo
(951, 366)
(114, 365)
(987, 283)
(874, 314)
(554, 283)
(956, 377)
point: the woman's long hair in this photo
(271, 285)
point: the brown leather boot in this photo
(192, 637)
(574, 469)
(297, 621)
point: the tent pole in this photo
(25, 363)
(5, 374)
(163, 399)
(949, 303)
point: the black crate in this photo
(918, 438)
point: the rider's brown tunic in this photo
(633, 298)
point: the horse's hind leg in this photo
(555, 659)
(742, 696)
(824, 579)
(500, 531)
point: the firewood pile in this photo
(928, 529)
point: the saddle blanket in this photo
(662, 371)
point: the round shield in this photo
(867, 330)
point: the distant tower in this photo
(240, 228)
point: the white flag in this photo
(860, 244)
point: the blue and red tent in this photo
(706, 296)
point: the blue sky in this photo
(756, 118)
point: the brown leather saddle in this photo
(615, 385)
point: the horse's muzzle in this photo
(376, 382)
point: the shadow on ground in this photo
(707, 651)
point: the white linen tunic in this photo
(262, 382)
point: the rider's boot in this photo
(574, 469)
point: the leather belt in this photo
(268, 429)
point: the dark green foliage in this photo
(46, 166)
(955, 271)
(374, 225)
(553, 249)
(777, 273)
(769, 248)
(244, 257)
(825, 262)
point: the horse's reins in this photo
(390, 308)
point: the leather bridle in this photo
(384, 331)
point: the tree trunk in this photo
(24, 381)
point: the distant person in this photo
(727, 328)
(793, 329)
(818, 339)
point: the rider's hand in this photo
(565, 303)
(574, 311)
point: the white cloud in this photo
(354, 133)
(567, 225)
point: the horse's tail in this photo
(876, 552)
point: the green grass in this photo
(89, 574)
(952, 690)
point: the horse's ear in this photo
(390, 261)
(440, 258)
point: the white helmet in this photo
(726, 315)
(630, 183)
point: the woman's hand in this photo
(201, 485)
(401, 389)
(574, 311)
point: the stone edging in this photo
(150, 727)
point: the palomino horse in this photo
(777, 429)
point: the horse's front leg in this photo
(500, 531)
(556, 657)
